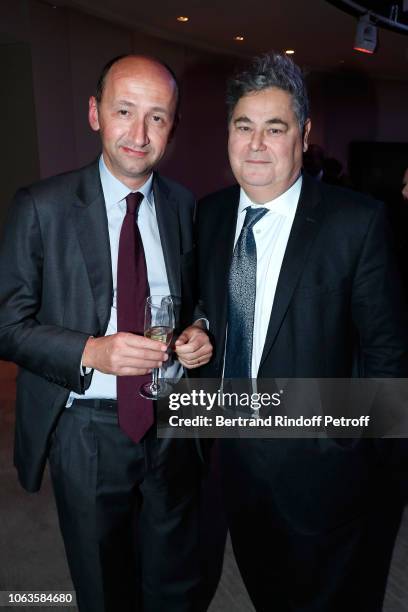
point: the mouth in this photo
(134, 152)
(256, 161)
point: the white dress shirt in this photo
(115, 192)
(271, 235)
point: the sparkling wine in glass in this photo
(159, 325)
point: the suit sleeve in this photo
(50, 351)
(378, 305)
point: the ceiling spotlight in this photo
(366, 35)
(182, 18)
(239, 38)
(290, 51)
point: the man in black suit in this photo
(127, 505)
(309, 291)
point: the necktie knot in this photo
(253, 215)
(133, 201)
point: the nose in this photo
(257, 141)
(138, 132)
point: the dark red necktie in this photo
(135, 412)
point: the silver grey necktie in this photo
(241, 300)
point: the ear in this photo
(306, 132)
(93, 116)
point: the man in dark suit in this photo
(309, 291)
(127, 502)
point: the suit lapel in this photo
(90, 219)
(169, 230)
(305, 227)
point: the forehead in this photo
(140, 76)
(265, 104)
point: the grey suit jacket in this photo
(56, 291)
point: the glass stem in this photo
(155, 384)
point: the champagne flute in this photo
(159, 325)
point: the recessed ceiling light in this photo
(290, 51)
(182, 18)
(239, 38)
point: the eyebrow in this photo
(124, 103)
(160, 109)
(277, 120)
(273, 121)
(242, 119)
(155, 109)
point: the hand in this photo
(193, 347)
(124, 354)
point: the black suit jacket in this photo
(56, 291)
(338, 312)
(338, 297)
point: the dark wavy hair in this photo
(270, 70)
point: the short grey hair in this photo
(270, 70)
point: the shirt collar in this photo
(115, 191)
(282, 205)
